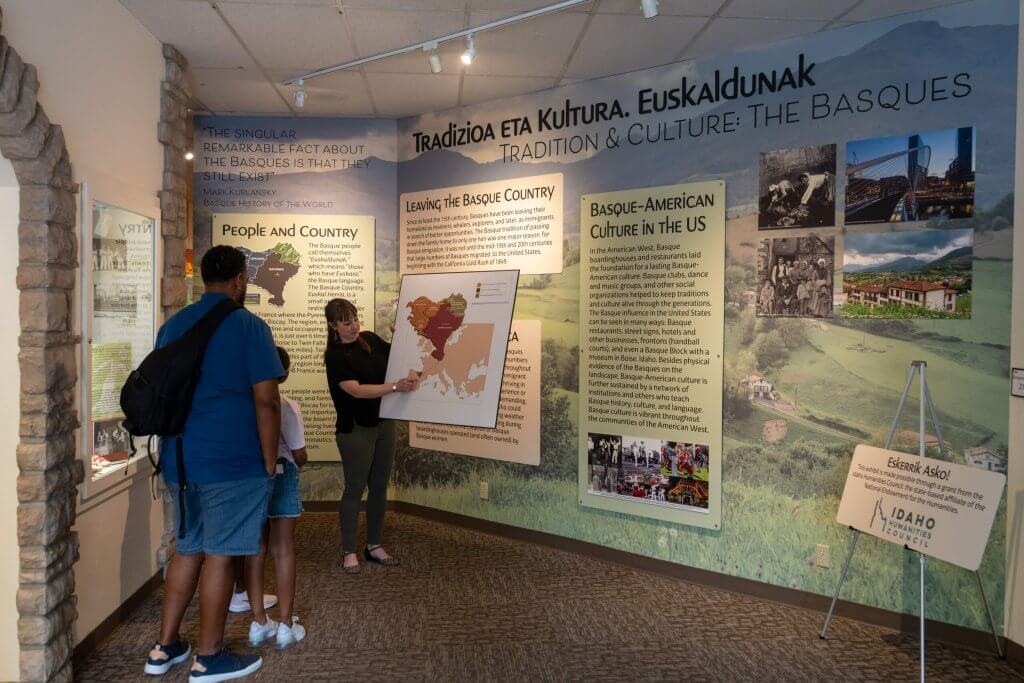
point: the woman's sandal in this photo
(352, 569)
(387, 561)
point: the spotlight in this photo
(189, 156)
(467, 56)
(300, 94)
(650, 8)
(433, 58)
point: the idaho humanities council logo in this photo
(903, 526)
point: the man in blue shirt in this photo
(230, 454)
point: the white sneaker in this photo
(240, 602)
(290, 635)
(260, 632)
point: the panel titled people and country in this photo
(296, 264)
(451, 333)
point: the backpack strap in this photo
(181, 485)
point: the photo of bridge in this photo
(918, 177)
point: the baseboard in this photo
(1014, 654)
(959, 636)
(89, 644)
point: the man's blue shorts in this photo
(225, 518)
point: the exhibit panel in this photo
(651, 331)
(312, 204)
(868, 224)
(119, 308)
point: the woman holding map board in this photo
(356, 362)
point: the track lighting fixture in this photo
(650, 8)
(300, 94)
(467, 56)
(431, 46)
(433, 57)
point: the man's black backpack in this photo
(157, 396)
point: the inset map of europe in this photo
(271, 269)
(454, 355)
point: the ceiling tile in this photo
(788, 9)
(416, 62)
(876, 9)
(605, 51)
(236, 90)
(476, 89)
(291, 36)
(415, 5)
(728, 34)
(398, 95)
(192, 27)
(342, 93)
(689, 8)
(329, 3)
(539, 47)
(380, 31)
(507, 8)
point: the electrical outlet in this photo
(822, 556)
(485, 490)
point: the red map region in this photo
(273, 275)
(440, 327)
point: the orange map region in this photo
(436, 321)
(471, 350)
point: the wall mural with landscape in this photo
(869, 225)
(869, 177)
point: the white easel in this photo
(924, 399)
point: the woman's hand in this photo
(407, 384)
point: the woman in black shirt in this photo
(356, 362)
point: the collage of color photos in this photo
(912, 272)
(648, 470)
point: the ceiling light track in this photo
(432, 45)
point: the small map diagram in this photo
(452, 333)
(454, 355)
(271, 269)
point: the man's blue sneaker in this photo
(163, 657)
(223, 666)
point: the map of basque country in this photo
(455, 354)
(271, 269)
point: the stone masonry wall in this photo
(175, 96)
(49, 472)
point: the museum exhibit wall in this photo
(100, 74)
(801, 389)
(1015, 476)
(933, 91)
(9, 561)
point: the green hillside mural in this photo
(834, 381)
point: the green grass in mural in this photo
(866, 374)
(897, 312)
(557, 306)
(772, 539)
(990, 300)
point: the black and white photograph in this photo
(797, 188)
(604, 449)
(795, 277)
(109, 254)
(115, 298)
(110, 440)
(641, 452)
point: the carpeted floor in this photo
(467, 606)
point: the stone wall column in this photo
(173, 133)
(49, 471)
